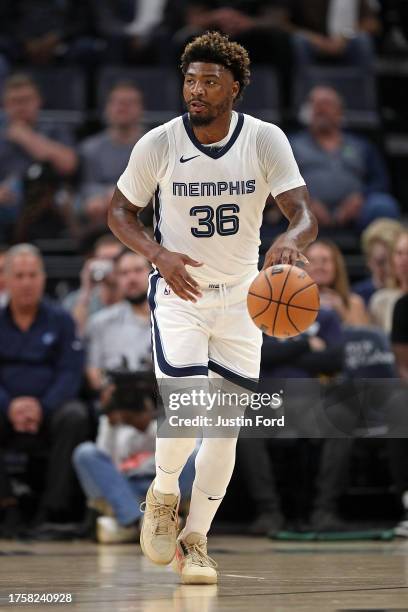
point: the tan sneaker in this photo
(192, 561)
(108, 531)
(159, 527)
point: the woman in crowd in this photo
(377, 243)
(328, 269)
(381, 305)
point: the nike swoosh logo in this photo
(183, 161)
(215, 498)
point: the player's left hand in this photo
(283, 251)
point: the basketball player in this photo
(210, 172)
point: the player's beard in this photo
(213, 114)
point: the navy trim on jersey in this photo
(164, 365)
(247, 383)
(217, 152)
(157, 205)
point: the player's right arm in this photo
(135, 189)
(123, 220)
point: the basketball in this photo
(283, 301)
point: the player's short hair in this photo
(216, 48)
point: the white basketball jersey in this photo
(209, 204)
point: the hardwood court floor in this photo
(256, 574)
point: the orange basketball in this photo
(283, 301)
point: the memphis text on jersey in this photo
(211, 189)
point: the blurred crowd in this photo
(77, 401)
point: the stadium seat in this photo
(160, 87)
(357, 89)
(261, 98)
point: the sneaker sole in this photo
(198, 579)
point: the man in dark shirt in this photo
(317, 352)
(398, 447)
(345, 173)
(41, 364)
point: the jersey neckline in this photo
(217, 152)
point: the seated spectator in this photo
(381, 305)
(24, 140)
(121, 332)
(253, 24)
(399, 335)
(42, 216)
(104, 156)
(98, 286)
(317, 352)
(345, 174)
(328, 269)
(117, 470)
(377, 242)
(398, 447)
(332, 30)
(41, 365)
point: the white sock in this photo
(214, 467)
(171, 456)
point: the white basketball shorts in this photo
(214, 336)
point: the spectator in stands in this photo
(399, 335)
(98, 286)
(317, 352)
(41, 365)
(377, 242)
(332, 30)
(43, 216)
(104, 156)
(328, 269)
(345, 174)
(3, 288)
(121, 332)
(131, 29)
(24, 140)
(116, 471)
(381, 305)
(398, 447)
(252, 24)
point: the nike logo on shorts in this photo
(215, 498)
(183, 161)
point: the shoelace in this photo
(163, 514)
(199, 555)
